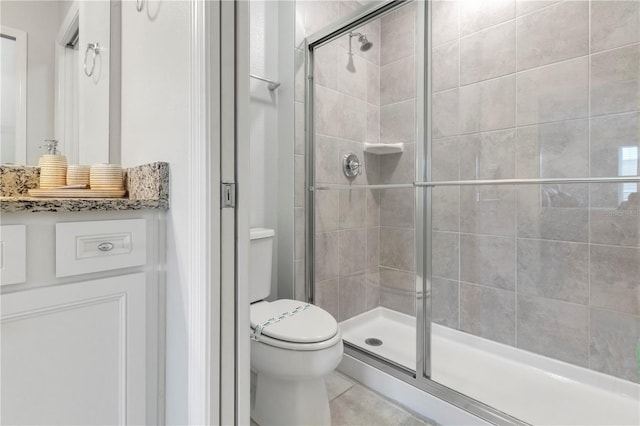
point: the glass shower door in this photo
(363, 204)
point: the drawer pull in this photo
(105, 246)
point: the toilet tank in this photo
(260, 258)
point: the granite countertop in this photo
(147, 188)
(35, 205)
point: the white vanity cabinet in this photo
(82, 338)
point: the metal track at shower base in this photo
(448, 395)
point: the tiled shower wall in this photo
(526, 90)
(397, 269)
(365, 240)
(347, 105)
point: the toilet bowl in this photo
(293, 346)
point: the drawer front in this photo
(13, 254)
(85, 247)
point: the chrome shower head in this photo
(365, 44)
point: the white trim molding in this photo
(204, 303)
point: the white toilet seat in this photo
(282, 344)
(293, 325)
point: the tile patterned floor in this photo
(353, 404)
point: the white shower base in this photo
(531, 387)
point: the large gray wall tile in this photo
(398, 81)
(615, 278)
(352, 251)
(398, 168)
(554, 270)
(488, 261)
(373, 250)
(554, 92)
(351, 74)
(325, 70)
(553, 328)
(488, 105)
(444, 302)
(614, 338)
(477, 15)
(352, 118)
(488, 312)
(373, 83)
(352, 296)
(488, 155)
(445, 209)
(444, 66)
(373, 124)
(397, 248)
(326, 211)
(444, 21)
(445, 114)
(488, 54)
(553, 34)
(373, 208)
(326, 111)
(398, 122)
(326, 256)
(553, 212)
(609, 134)
(527, 6)
(352, 208)
(401, 301)
(553, 150)
(397, 34)
(326, 152)
(327, 296)
(445, 163)
(397, 280)
(445, 249)
(615, 81)
(616, 226)
(614, 23)
(397, 208)
(488, 210)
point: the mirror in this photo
(55, 85)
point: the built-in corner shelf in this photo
(383, 148)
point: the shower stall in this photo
(471, 213)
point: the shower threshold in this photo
(531, 387)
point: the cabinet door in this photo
(75, 353)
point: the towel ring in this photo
(95, 48)
(139, 5)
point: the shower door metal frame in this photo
(420, 378)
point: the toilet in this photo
(293, 346)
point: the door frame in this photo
(218, 363)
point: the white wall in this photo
(40, 20)
(155, 127)
(264, 122)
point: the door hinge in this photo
(228, 194)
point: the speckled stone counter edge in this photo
(147, 187)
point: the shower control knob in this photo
(351, 165)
